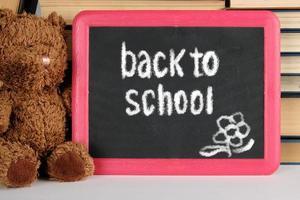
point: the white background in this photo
(284, 184)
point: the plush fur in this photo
(33, 59)
(67, 100)
(75, 158)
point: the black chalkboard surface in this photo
(236, 86)
(177, 92)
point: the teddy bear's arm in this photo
(66, 95)
(5, 111)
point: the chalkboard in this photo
(235, 84)
(180, 92)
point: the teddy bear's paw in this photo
(21, 173)
(70, 162)
(67, 167)
(18, 164)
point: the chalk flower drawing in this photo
(231, 136)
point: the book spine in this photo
(28, 6)
(227, 3)
(290, 150)
(290, 94)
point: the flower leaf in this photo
(244, 148)
(212, 150)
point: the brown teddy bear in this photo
(33, 58)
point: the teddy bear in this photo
(33, 60)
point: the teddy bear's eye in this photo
(46, 60)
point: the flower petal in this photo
(238, 117)
(236, 142)
(244, 129)
(224, 121)
(219, 138)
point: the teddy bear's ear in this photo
(6, 16)
(56, 20)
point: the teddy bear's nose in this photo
(46, 60)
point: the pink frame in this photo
(146, 166)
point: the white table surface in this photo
(283, 185)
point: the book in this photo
(290, 64)
(11, 4)
(290, 42)
(28, 6)
(290, 116)
(290, 151)
(69, 8)
(263, 4)
(290, 84)
(289, 19)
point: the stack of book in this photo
(288, 12)
(69, 8)
(11, 4)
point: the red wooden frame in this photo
(146, 166)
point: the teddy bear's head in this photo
(33, 52)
